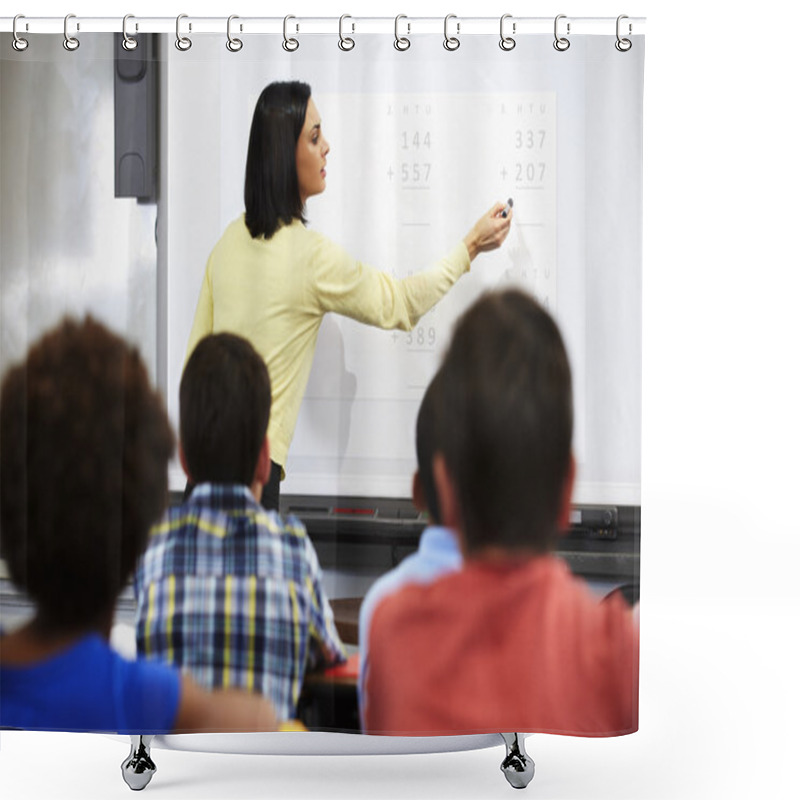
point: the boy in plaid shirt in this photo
(227, 591)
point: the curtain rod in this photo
(348, 25)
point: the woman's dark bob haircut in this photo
(271, 189)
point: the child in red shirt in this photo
(513, 641)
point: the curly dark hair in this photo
(85, 443)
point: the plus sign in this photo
(390, 173)
(504, 172)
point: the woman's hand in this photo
(489, 232)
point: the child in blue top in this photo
(438, 552)
(83, 475)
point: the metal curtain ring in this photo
(70, 42)
(183, 43)
(345, 42)
(507, 42)
(128, 42)
(451, 42)
(18, 43)
(401, 42)
(234, 45)
(623, 45)
(561, 43)
(290, 45)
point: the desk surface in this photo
(345, 615)
(344, 674)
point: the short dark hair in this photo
(426, 442)
(225, 399)
(85, 449)
(271, 188)
(506, 422)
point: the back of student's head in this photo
(84, 448)
(427, 445)
(225, 399)
(506, 422)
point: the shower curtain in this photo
(121, 167)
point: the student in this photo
(512, 641)
(438, 551)
(226, 590)
(83, 475)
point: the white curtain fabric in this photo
(423, 142)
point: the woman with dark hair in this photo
(271, 279)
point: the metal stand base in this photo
(138, 768)
(517, 766)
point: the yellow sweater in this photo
(275, 292)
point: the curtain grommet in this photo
(289, 44)
(561, 43)
(233, 44)
(346, 43)
(507, 43)
(451, 43)
(129, 43)
(401, 43)
(623, 44)
(183, 43)
(70, 43)
(18, 42)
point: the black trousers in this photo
(270, 494)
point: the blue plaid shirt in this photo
(233, 594)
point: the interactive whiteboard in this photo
(421, 146)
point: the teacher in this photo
(271, 280)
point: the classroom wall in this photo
(67, 245)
